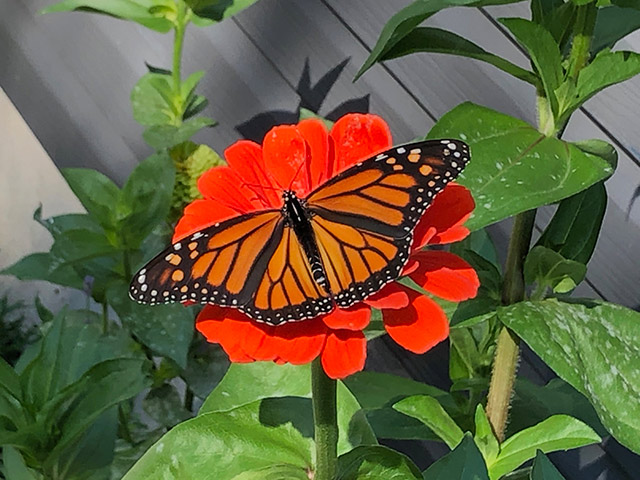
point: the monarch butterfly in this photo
(337, 246)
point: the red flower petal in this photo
(225, 326)
(200, 214)
(393, 295)
(418, 327)
(450, 209)
(286, 158)
(357, 137)
(223, 185)
(352, 318)
(445, 275)
(422, 234)
(300, 342)
(344, 353)
(244, 339)
(317, 137)
(245, 158)
(411, 266)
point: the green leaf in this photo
(513, 167)
(94, 450)
(44, 313)
(166, 136)
(96, 192)
(165, 329)
(72, 221)
(14, 466)
(134, 10)
(218, 10)
(77, 247)
(429, 39)
(613, 24)
(146, 199)
(543, 469)
(9, 380)
(246, 383)
(103, 386)
(547, 268)
(593, 347)
(557, 17)
(484, 437)
(154, 102)
(429, 411)
(403, 22)
(532, 404)
(43, 266)
(608, 68)
(376, 390)
(222, 445)
(559, 432)
(575, 227)
(164, 405)
(543, 51)
(275, 472)
(44, 376)
(464, 354)
(206, 365)
(599, 148)
(463, 463)
(374, 462)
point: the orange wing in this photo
(363, 219)
(212, 265)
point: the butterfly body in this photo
(299, 219)
(333, 248)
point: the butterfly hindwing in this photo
(364, 218)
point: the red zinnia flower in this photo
(311, 155)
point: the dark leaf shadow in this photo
(312, 98)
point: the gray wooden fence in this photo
(70, 76)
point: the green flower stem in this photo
(505, 360)
(323, 390)
(181, 22)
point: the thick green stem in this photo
(513, 287)
(325, 422)
(505, 360)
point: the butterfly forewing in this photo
(212, 265)
(364, 218)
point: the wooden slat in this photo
(291, 33)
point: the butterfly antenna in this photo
(257, 185)
(295, 175)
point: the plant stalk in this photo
(176, 74)
(505, 360)
(105, 318)
(323, 391)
